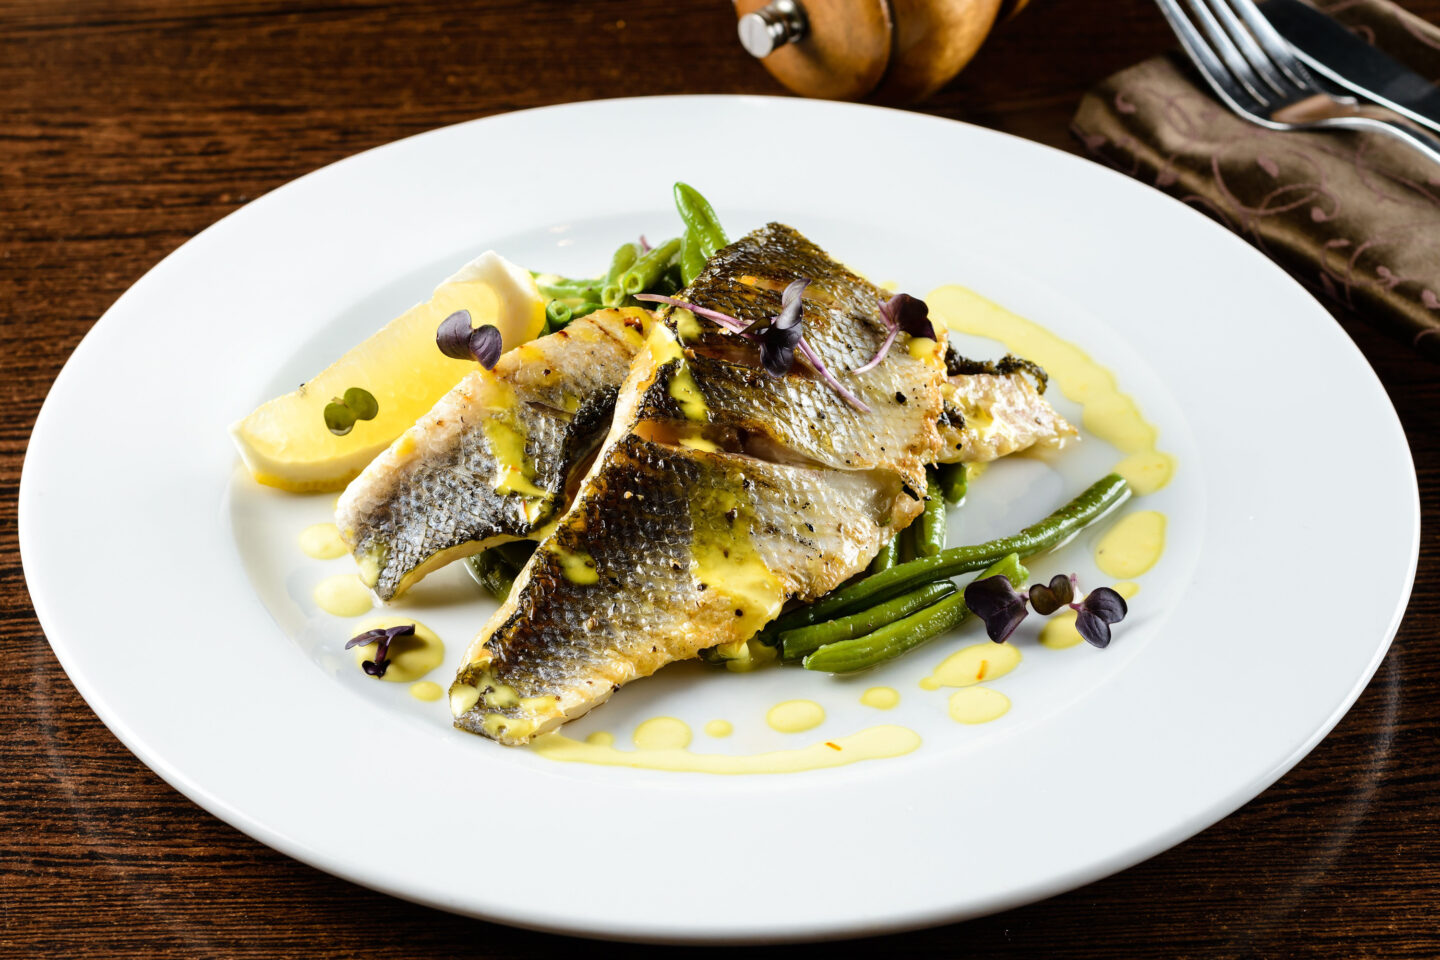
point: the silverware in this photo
(1253, 71)
(1339, 56)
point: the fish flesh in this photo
(720, 492)
(490, 463)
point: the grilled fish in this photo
(490, 463)
(720, 492)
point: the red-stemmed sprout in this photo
(457, 339)
(382, 637)
(1002, 607)
(780, 339)
(901, 312)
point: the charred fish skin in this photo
(491, 460)
(720, 493)
(670, 550)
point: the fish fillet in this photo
(720, 493)
(490, 463)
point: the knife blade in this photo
(1336, 54)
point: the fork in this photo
(1254, 71)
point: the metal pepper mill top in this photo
(886, 51)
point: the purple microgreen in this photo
(382, 637)
(734, 325)
(813, 358)
(900, 312)
(1096, 612)
(910, 314)
(998, 603)
(1047, 599)
(778, 342)
(874, 361)
(730, 323)
(485, 345)
(458, 340)
(644, 244)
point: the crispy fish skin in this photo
(489, 463)
(719, 494)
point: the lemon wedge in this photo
(285, 442)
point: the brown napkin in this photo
(1354, 216)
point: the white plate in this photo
(173, 593)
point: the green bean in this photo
(493, 573)
(646, 270)
(887, 556)
(1097, 500)
(692, 261)
(797, 643)
(930, 535)
(516, 552)
(580, 310)
(700, 218)
(611, 295)
(557, 314)
(907, 544)
(953, 481)
(623, 259)
(579, 290)
(902, 636)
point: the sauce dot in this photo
(795, 716)
(427, 691)
(978, 705)
(601, 738)
(322, 541)
(343, 596)
(1133, 545)
(719, 728)
(881, 698)
(662, 733)
(974, 664)
(410, 657)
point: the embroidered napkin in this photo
(1355, 217)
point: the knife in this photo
(1344, 59)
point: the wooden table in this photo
(127, 126)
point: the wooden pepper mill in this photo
(886, 51)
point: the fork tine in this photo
(1275, 45)
(1216, 74)
(1224, 46)
(1246, 43)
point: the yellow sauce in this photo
(343, 596)
(1108, 414)
(410, 657)
(578, 566)
(974, 664)
(724, 559)
(426, 690)
(872, 744)
(699, 443)
(1132, 546)
(601, 739)
(881, 698)
(1059, 632)
(978, 705)
(322, 541)
(505, 437)
(795, 716)
(664, 348)
(719, 728)
(662, 733)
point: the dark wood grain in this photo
(127, 126)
